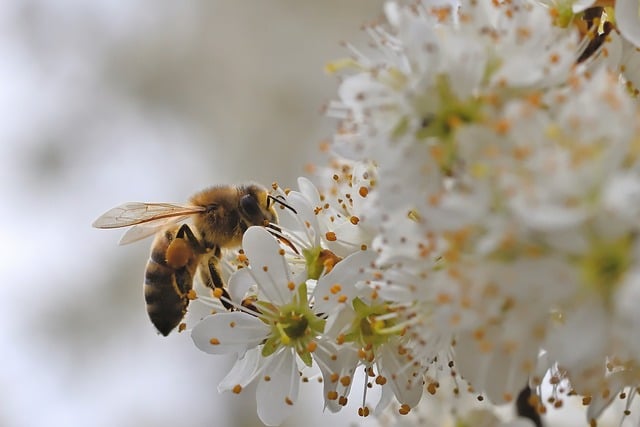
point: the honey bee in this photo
(219, 217)
(595, 28)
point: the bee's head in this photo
(256, 206)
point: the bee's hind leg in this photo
(184, 232)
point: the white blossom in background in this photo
(476, 233)
(628, 20)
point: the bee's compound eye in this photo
(249, 205)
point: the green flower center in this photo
(449, 112)
(563, 14)
(442, 112)
(605, 265)
(373, 326)
(292, 325)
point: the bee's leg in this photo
(248, 303)
(184, 232)
(184, 283)
(215, 280)
(178, 254)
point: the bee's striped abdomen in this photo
(166, 288)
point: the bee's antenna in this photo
(279, 200)
(276, 232)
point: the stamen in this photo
(364, 394)
(360, 57)
(284, 338)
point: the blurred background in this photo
(110, 101)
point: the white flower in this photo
(369, 331)
(630, 66)
(269, 338)
(599, 322)
(375, 328)
(320, 229)
(439, 69)
(344, 282)
(284, 325)
(509, 304)
(340, 210)
(449, 404)
(628, 20)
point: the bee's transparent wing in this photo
(133, 213)
(146, 218)
(146, 229)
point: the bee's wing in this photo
(146, 218)
(146, 229)
(133, 213)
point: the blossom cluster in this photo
(477, 232)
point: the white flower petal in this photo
(621, 196)
(229, 333)
(628, 20)
(612, 52)
(404, 380)
(309, 191)
(277, 396)
(580, 343)
(630, 63)
(386, 397)
(202, 307)
(306, 217)
(616, 382)
(335, 364)
(376, 94)
(347, 234)
(456, 210)
(627, 313)
(345, 275)
(392, 13)
(243, 371)
(198, 310)
(239, 284)
(339, 322)
(268, 267)
(549, 217)
(465, 62)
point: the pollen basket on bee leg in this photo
(178, 253)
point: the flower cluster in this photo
(478, 231)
